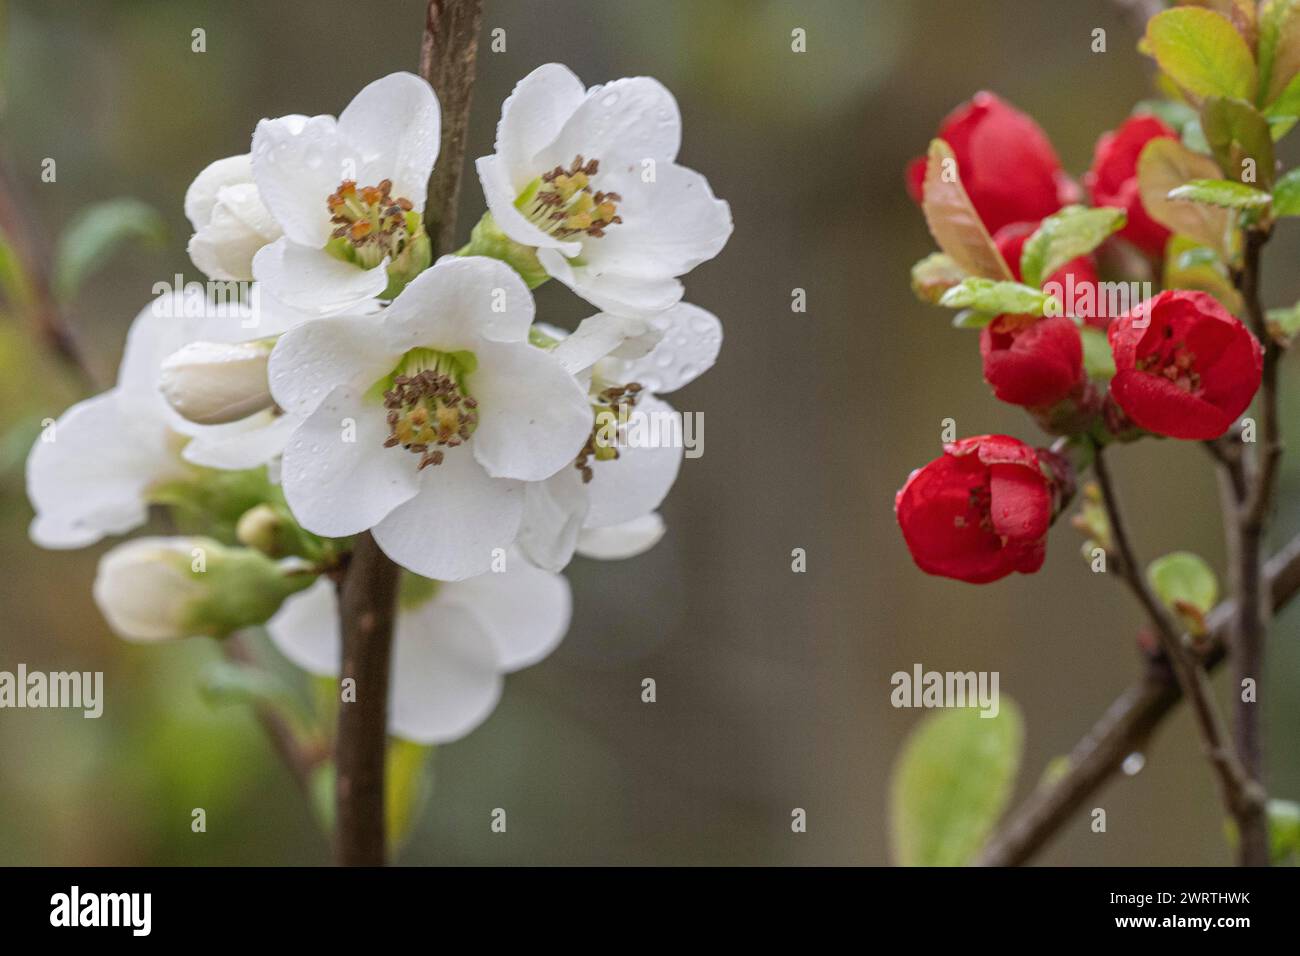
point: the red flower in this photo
(1032, 362)
(979, 512)
(1073, 279)
(1112, 181)
(1185, 366)
(1006, 163)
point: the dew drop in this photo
(1133, 763)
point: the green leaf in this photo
(1074, 231)
(1098, 360)
(1240, 139)
(934, 275)
(1283, 324)
(409, 781)
(1164, 165)
(1171, 112)
(986, 295)
(971, 319)
(1202, 52)
(1278, 47)
(1221, 192)
(953, 221)
(92, 237)
(951, 783)
(1286, 194)
(1283, 829)
(1184, 582)
(1190, 265)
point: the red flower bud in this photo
(1073, 278)
(1112, 181)
(1005, 161)
(1032, 362)
(1185, 366)
(979, 512)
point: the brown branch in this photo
(43, 308)
(1253, 510)
(1123, 729)
(1240, 794)
(368, 595)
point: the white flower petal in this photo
(594, 338)
(669, 226)
(525, 610)
(311, 280)
(450, 529)
(315, 357)
(201, 197)
(456, 302)
(335, 486)
(621, 123)
(691, 340)
(532, 116)
(91, 480)
(554, 512)
(306, 629)
(611, 292)
(223, 248)
(445, 680)
(298, 162)
(533, 415)
(626, 540)
(248, 443)
(394, 125)
(638, 480)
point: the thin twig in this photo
(45, 313)
(1241, 796)
(1253, 512)
(368, 596)
(1123, 729)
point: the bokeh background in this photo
(773, 687)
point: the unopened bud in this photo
(212, 382)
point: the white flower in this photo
(449, 649)
(92, 472)
(588, 178)
(155, 589)
(605, 507)
(230, 221)
(422, 423)
(348, 194)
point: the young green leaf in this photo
(1190, 265)
(934, 275)
(1283, 324)
(1239, 138)
(952, 219)
(1221, 192)
(1202, 52)
(986, 295)
(95, 233)
(951, 783)
(1283, 829)
(1286, 194)
(1074, 231)
(1163, 166)
(971, 319)
(1185, 584)
(1278, 47)
(1098, 360)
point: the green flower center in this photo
(561, 203)
(370, 224)
(429, 404)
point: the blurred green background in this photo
(773, 687)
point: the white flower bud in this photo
(211, 382)
(154, 589)
(145, 588)
(230, 221)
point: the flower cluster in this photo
(1061, 281)
(357, 385)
